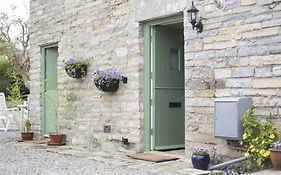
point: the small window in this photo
(174, 59)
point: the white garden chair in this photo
(7, 115)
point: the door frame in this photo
(148, 58)
(43, 68)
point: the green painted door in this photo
(50, 90)
(168, 88)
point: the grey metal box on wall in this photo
(227, 116)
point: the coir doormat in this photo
(152, 157)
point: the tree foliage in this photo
(14, 60)
(15, 49)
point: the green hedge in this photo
(8, 76)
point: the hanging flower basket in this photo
(109, 85)
(76, 70)
(108, 80)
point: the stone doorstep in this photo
(267, 172)
(181, 166)
(192, 171)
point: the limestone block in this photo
(199, 110)
(204, 93)
(201, 137)
(263, 2)
(230, 4)
(260, 101)
(259, 18)
(275, 101)
(239, 61)
(222, 73)
(236, 92)
(239, 82)
(219, 38)
(240, 28)
(247, 2)
(261, 33)
(212, 26)
(191, 127)
(197, 45)
(265, 60)
(223, 150)
(220, 84)
(223, 92)
(267, 82)
(242, 9)
(271, 23)
(242, 72)
(199, 102)
(219, 45)
(259, 92)
(263, 72)
(250, 51)
(276, 70)
(196, 84)
(269, 40)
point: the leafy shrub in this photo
(11, 82)
(15, 96)
(257, 138)
(5, 79)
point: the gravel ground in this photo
(25, 160)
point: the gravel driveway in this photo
(23, 160)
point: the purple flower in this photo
(200, 151)
(71, 60)
(277, 144)
(110, 73)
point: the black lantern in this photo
(192, 16)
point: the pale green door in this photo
(168, 88)
(50, 90)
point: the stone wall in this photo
(237, 54)
(106, 31)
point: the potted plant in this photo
(275, 155)
(200, 158)
(107, 80)
(258, 137)
(56, 138)
(26, 133)
(76, 68)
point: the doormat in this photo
(152, 157)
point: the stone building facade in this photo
(237, 54)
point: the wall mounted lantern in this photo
(192, 16)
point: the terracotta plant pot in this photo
(26, 136)
(57, 139)
(275, 156)
(200, 161)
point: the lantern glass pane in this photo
(194, 16)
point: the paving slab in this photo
(267, 172)
(65, 159)
(180, 166)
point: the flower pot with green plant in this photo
(26, 133)
(200, 158)
(76, 68)
(108, 80)
(56, 138)
(258, 137)
(275, 155)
